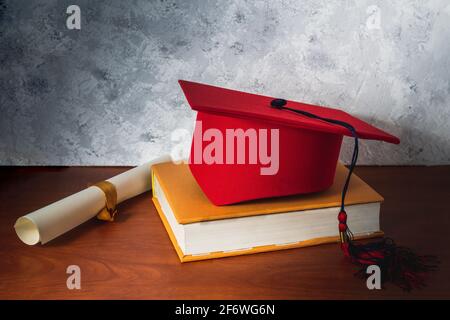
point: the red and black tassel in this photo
(398, 265)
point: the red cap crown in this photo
(307, 149)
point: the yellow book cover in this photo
(174, 185)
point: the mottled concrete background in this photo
(108, 94)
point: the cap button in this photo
(278, 103)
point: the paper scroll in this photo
(59, 217)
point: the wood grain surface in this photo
(133, 258)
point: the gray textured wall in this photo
(108, 94)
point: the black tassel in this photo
(398, 265)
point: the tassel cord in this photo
(398, 265)
(355, 147)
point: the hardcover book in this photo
(201, 230)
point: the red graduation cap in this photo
(308, 149)
(248, 146)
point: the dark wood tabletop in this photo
(133, 257)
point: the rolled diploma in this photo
(59, 217)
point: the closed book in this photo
(201, 230)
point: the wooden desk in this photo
(134, 259)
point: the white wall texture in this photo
(108, 95)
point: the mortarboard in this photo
(308, 149)
(248, 146)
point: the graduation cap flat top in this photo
(307, 149)
(207, 98)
